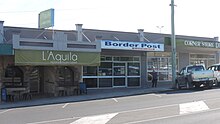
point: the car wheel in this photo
(197, 86)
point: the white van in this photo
(216, 69)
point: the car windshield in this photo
(195, 68)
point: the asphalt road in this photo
(182, 107)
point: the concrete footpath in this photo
(93, 94)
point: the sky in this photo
(192, 17)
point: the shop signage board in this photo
(128, 45)
(46, 19)
(194, 43)
(49, 57)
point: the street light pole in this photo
(160, 27)
(173, 44)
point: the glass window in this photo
(89, 71)
(119, 81)
(126, 58)
(133, 82)
(133, 69)
(105, 82)
(159, 54)
(116, 58)
(136, 58)
(14, 75)
(106, 58)
(165, 76)
(105, 69)
(163, 65)
(119, 69)
(91, 82)
(206, 59)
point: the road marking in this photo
(155, 95)
(5, 111)
(50, 121)
(115, 99)
(65, 105)
(98, 119)
(192, 107)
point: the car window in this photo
(218, 68)
(182, 71)
(195, 68)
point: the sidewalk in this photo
(92, 94)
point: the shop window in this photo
(105, 82)
(116, 58)
(206, 59)
(119, 69)
(136, 58)
(90, 71)
(133, 82)
(91, 82)
(106, 58)
(119, 81)
(133, 69)
(105, 69)
(14, 76)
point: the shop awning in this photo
(50, 58)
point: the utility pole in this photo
(173, 44)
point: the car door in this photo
(181, 76)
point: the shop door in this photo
(35, 80)
(119, 74)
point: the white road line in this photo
(65, 105)
(115, 99)
(49, 121)
(155, 95)
(192, 107)
(98, 119)
(5, 111)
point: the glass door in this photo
(119, 74)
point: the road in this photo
(182, 107)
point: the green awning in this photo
(62, 58)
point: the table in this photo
(16, 93)
(66, 90)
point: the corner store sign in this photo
(194, 43)
(202, 44)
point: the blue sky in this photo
(192, 17)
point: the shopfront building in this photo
(196, 51)
(49, 64)
(123, 64)
(49, 61)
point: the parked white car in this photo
(195, 76)
(216, 69)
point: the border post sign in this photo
(46, 19)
